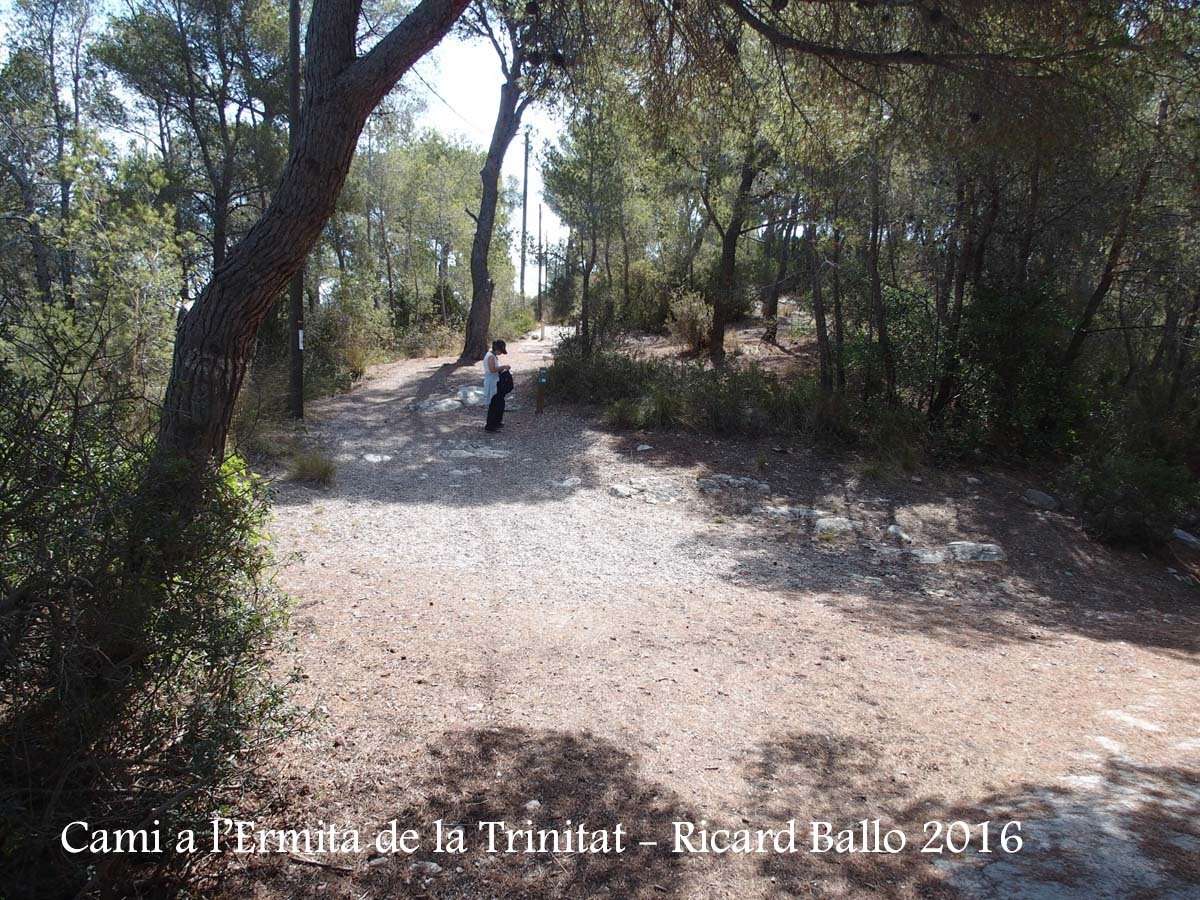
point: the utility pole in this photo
(524, 204)
(541, 257)
(296, 287)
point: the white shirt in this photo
(490, 379)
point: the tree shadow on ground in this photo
(1126, 831)
(1055, 576)
(491, 775)
(390, 450)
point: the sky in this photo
(460, 83)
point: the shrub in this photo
(314, 466)
(691, 320)
(624, 414)
(133, 683)
(512, 321)
(647, 306)
(429, 339)
(346, 335)
(1134, 498)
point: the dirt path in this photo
(549, 623)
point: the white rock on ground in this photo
(470, 396)
(569, 481)
(477, 453)
(1039, 499)
(623, 490)
(440, 405)
(832, 526)
(957, 551)
(897, 534)
(1186, 537)
(969, 551)
(792, 512)
(721, 482)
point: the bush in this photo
(1134, 498)
(430, 339)
(513, 321)
(314, 466)
(648, 303)
(345, 336)
(133, 640)
(691, 320)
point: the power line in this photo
(431, 90)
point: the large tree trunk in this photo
(479, 319)
(216, 337)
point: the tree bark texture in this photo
(216, 337)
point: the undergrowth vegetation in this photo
(134, 638)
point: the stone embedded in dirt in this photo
(424, 867)
(917, 479)
(792, 512)
(971, 479)
(897, 534)
(642, 448)
(477, 452)
(1186, 537)
(445, 404)
(929, 556)
(832, 526)
(376, 457)
(569, 481)
(714, 484)
(533, 806)
(956, 551)
(470, 396)
(462, 473)
(1039, 499)
(623, 490)
(969, 551)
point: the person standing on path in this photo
(491, 382)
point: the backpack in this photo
(504, 385)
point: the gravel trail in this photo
(562, 622)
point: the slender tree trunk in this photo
(729, 242)
(479, 319)
(950, 359)
(1113, 260)
(879, 313)
(823, 352)
(585, 332)
(37, 241)
(1025, 248)
(771, 301)
(216, 337)
(839, 330)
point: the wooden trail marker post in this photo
(542, 377)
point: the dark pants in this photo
(495, 414)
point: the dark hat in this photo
(498, 347)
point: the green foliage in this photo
(133, 682)
(314, 466)
(1134, 498)
(691, 320)
(346, 334)
(647, 305)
